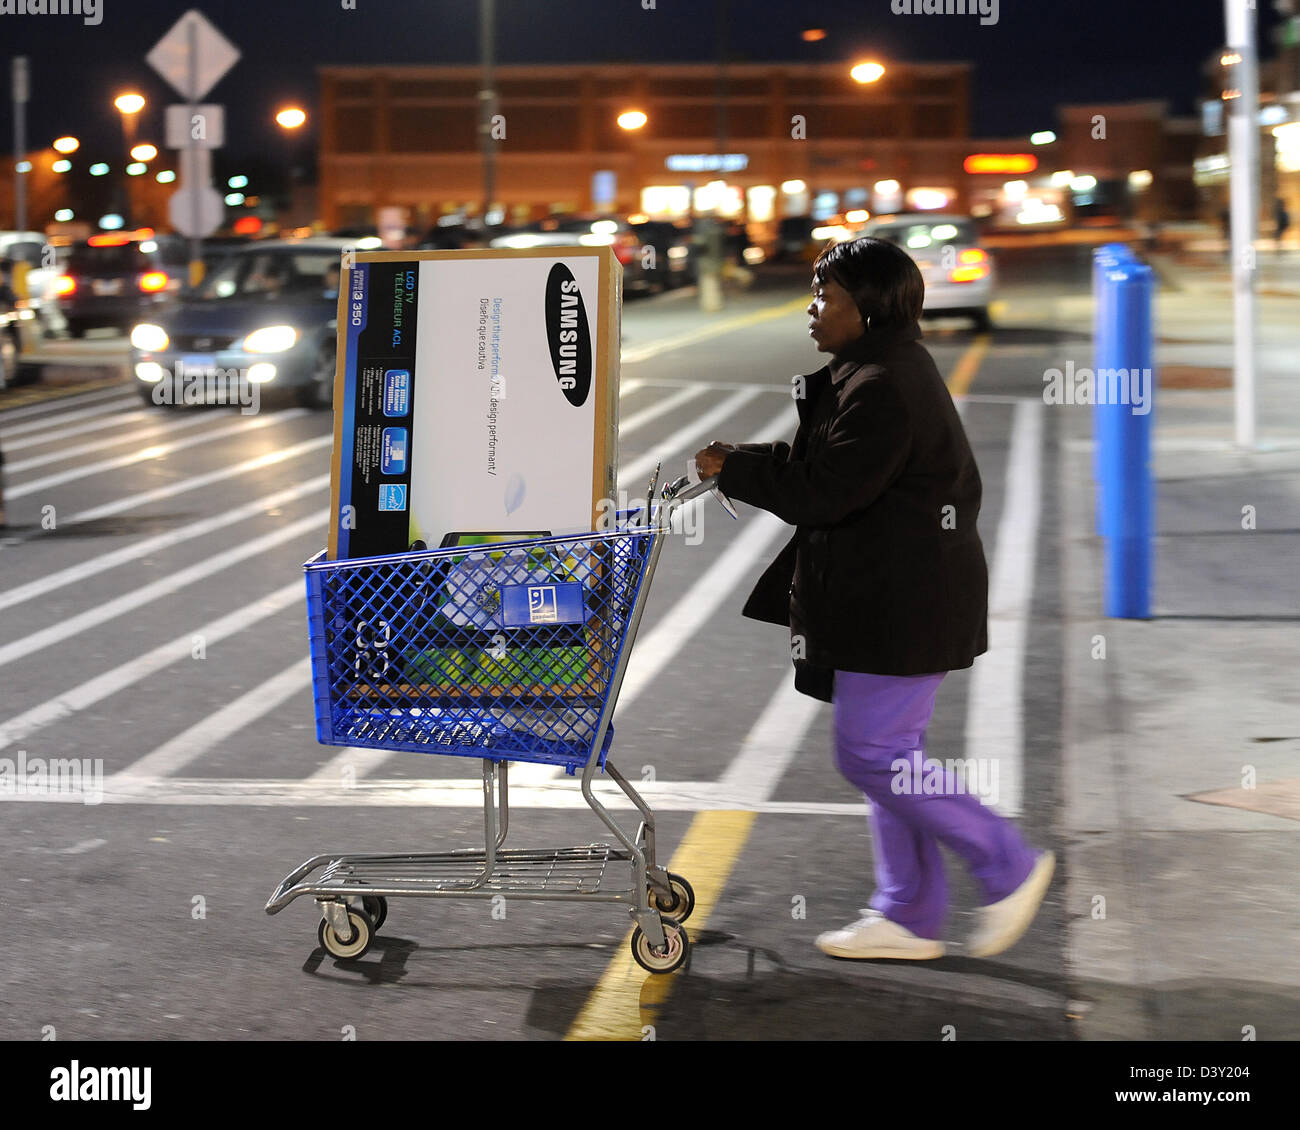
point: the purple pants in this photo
(880, 724)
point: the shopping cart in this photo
(504, 652)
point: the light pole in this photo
(710, 268)
(487, 96)
(20, 95)
(291, 119)
(129, 106)
(1241, 93)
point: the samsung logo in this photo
(568, 335)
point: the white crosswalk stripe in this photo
(136, 550)
(154, 451)
(63, 454)
(114, 410)
(60, 407)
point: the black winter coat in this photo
(885, 573)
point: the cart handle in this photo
(681, 491)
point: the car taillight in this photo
(625, 247)
(65, 285)
(152, 281)
(972, 265)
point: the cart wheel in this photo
(377, 907)
(682, 902)
(363, 933)
(667, 960)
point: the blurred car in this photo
(29, 247)
(794, 240)
(958, 273)
(455, 232)
(114, 279)
(674, 247)
(566, 231)
(14, 323)
(264, 314)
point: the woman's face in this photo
(834, 320)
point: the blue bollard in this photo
(1124, 414)
(1106, 345)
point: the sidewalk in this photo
(1180, 877)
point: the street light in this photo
(867, 73)
(66, 145)
(632, 119)
(145, 152)
(291, 117)
(129, 103)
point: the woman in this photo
(884, 587)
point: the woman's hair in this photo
(883, 279)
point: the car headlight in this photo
(271, 339)
(149, 338)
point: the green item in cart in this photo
(524, 667)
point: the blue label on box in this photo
(397, 392)
(392, 496)
(392, 454)
(525, 605)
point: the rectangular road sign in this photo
(197, 127)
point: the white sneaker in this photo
(874, 935)
(1003, 923)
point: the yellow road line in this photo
(627, 999)
(963, 375)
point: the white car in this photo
(29, 247)
(958, 273)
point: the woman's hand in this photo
(708, 460)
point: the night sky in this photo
(1039, 54)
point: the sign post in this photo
(193, 56)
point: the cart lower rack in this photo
(504, 652)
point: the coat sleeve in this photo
(865, 449)
(780, 449)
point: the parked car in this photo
(794, 240)
(566, 231)
(44, 265)
(265, 313)
(116, 278)
(674, 247)
(15, 323)
(959, 274)
(456, 232)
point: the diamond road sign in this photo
(213, 55)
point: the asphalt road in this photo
(152, 617)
